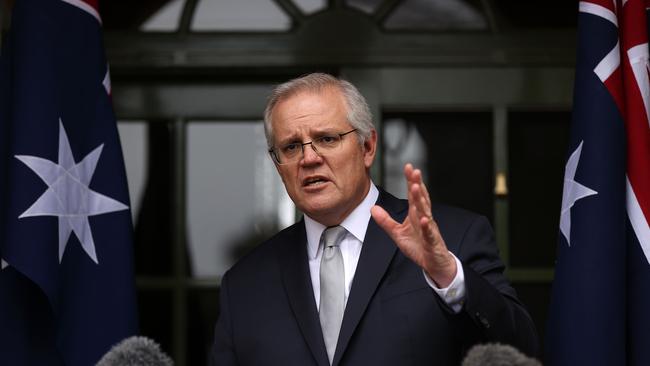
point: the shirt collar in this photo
(356, 223)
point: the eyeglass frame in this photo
(276, 159)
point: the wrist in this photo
(444, 272)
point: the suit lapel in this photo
(297, 283)
(376, 254)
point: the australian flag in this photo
(600, 307)
(67, 289)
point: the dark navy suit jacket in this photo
(392, 317)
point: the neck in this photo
(336, 217)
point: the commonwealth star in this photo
(572, 192)
(68, 196)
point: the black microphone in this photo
(495, 354)
(136, 351)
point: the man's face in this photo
(326, 188)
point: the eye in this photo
(328, 140)
(290, 149)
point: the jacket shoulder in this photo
(458, 225)
(440, 212)
(453, 214)
(267, 253)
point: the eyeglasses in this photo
(322, 145)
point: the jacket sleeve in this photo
(491, 311)
(223, 352)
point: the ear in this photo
(276, 165)
(282, 174)
(369, 149)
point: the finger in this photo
(416, 198)
(418, 193)
(408, 170)
(413, 219)
(412, 175)
(422, 204)
(429, 230)
(409, 237)
(418, 178)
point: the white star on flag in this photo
(572, 192)
(68, 196)
(4, 264)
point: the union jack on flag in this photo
(67, 290)
(600, 306)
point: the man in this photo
(364, 278)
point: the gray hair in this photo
(359, 115)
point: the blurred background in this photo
(475, 92)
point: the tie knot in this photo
(332, 236)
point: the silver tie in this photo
(332, 287)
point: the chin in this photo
(319, 210)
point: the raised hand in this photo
(418, 236)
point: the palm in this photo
(418, 236)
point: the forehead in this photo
(308, 111)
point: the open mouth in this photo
(314, 181)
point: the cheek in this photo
(288, 179)
(353, 170)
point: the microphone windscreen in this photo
(136, 351)
(495, 354)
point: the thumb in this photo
(391, 227)
(383, 219)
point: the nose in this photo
(309, 155)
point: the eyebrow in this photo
(288, 140)
(314, 134)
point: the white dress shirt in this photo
(356, 225)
